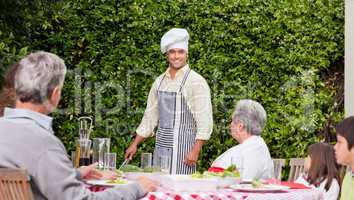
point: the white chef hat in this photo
(175, 38)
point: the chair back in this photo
(278, 167)
(296, 168)
(14, 184)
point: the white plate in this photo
(105, 183)
(263, 188)
(249, 181)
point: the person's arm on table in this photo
(56, 179)
(91, 172)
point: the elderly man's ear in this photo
(240, 127)
(55, 97)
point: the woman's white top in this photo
(252, 158)
(331, 194)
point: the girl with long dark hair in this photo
(321, 170)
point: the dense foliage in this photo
(267, 50)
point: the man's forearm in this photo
(198, 145)
(138, 139)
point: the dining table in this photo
(230, 194)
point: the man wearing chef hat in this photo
(179, 105)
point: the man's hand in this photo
(192, 157)
(148, 185)
(90, 172)
(108, 175)
(130, 152)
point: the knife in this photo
(124, 163)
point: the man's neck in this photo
(33, 107)
(173, 71)
(246, 137)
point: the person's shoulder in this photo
(29, 131)
(333, 190)
(255, 140)
(158, 80)
(196, 75)
(196, 79)
(235, 149)
(35, 137)
(258, 140)
(255, 145)
(335, 183)
(159, 77)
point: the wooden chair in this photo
(14, 184)
(296, 168)
(278, 167)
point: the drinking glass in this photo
(146, 160)
(165, 164)
(83, 147)
(110, 160)
(100, 147)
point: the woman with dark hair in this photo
(321, 170)
(8, 95)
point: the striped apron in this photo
(176, 131)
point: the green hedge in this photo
(270, 51)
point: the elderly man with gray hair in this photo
(251, 156)
(28, 141)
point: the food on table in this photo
(120, 173)
(198, 175)
(118, 181)
(151, 169)
(257, 183)
(216, 169)
(131, 168)
(231, 168)
(231, 171)
(234, 174)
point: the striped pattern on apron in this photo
(176, 130)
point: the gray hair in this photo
(37, 76)
(251, 114)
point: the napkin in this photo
(293, 185)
